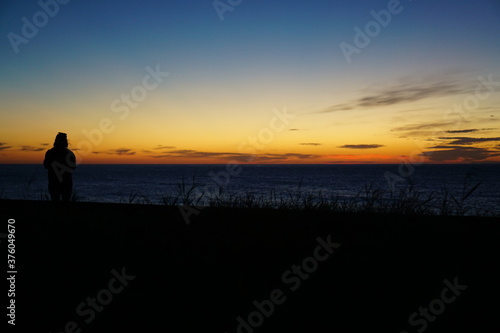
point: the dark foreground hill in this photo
(92, 267)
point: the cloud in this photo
(463, 149)
(422, 126)
(445, 147)
(189, 153)
(121, 151)
(202, 154)
(429, 129)
(310, 144)
(410, 93)
(282, 157)
(3, 146)
(293, 129)
(466, 154)
(44, 144)
(364, 146)
(433, 129)
(409, 90)
(463, 131)
(163, 147)
(299, 156)
(31, 148)
(468, 140)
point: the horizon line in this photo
(423, 163)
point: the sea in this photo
(159, 184)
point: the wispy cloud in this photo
(425, 129)
(422, 126)
(433, 129)
(468, 140)
(409, 90)
(189, 153)
(310, 144)
(465, 149)
(163, 147)
(31, 148)
(3, 146)
(44, 144)
(284, 157)
(299, 156)
(462, 131)
(466, 154)
(121, 151)
(363, 146)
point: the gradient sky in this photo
(412, 93)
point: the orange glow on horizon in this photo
(27, 157)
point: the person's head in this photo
(61, 140)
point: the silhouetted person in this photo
(60, 163)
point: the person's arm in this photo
(72, 160)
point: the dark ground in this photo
(201, 277)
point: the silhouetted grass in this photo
(369, 200)
(187, 194)
(407, 200)
(28, 191)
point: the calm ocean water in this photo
(121, 183)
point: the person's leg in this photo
(67, 189)
(54, 193)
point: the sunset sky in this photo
(205, 81)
